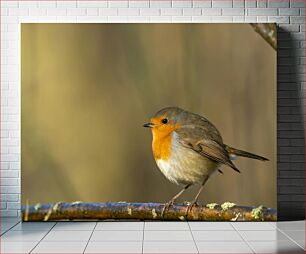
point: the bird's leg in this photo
(195, 201)
(172, 200)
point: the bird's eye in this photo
(165, 120)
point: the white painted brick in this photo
(222, 19)
(66, 19)
(28, 4)
(139, 4)
(4, 165)
(250, 3)
(233, 11)
(117, 19)
(76, 12)
(4, 150)
(10, 189)
(150, 12)
(249, 19)
(108, 11)
(262, 12)
(10, 157)
(181, 3)
(160, 4)
(57, 12)
(14, 134)
(9, 181)
(128, 11)
(18, 12)
(302, 11)
(92, 19)
(14, 166)
(66, 4)
(211, 11)
(14, 150)
(181, 19)
(13, 205)
(9, 173)
(13, 118)
(201, 19)
(192, 11)
(47, 4)
(202, 3)
(238, 3)
(4, 11)
(278, 3)
(302, 28)
(262, 19)
(9, 4)
(160, 19)
(172, 11)
(138, 19)
(88, 4)
(297, 20)
(297, 3)
(222, 3)
(118, 4)
(9, 213)
(38, 11)
(262, 3)
(8, 19)
(279, 19)
(290, 28)
(4, 134)
(3, 205)
(9, 125)
(92, 11)
(289, 11)
(9, 141)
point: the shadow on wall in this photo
(290, 131)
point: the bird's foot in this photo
(166, 207)
(189, 207)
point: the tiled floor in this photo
(152, 237)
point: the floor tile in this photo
(290, 225)
(137, 225)
(194, 225)
(9, 220)
(23, 236)
(63, 226)
(276, 247)
(253, 226)
(169, 247)
(34, 226)
(98, 236)
(223, 247)
(168, 236)
(273, 235)
(295, 234)
(166, 225)
(69, 236)
(216, 236)
(60, 247)
(17, 247)
(114, 247)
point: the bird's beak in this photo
(148, 125)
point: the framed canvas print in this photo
(148, 122)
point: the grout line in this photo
(247, 243)
(42, 238)
(143, 231)
(10, 228)
(90, 236)
(283, 232)
(193, 237)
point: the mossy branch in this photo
(267, 31)
(145, 211)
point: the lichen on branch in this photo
(145, 211)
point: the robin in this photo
(188, 149)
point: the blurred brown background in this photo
(88, 88)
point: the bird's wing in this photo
(200, 140)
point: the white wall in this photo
(289, 14)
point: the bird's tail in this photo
(236, 152)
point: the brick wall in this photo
(289, 14)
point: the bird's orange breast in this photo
(162, 141)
